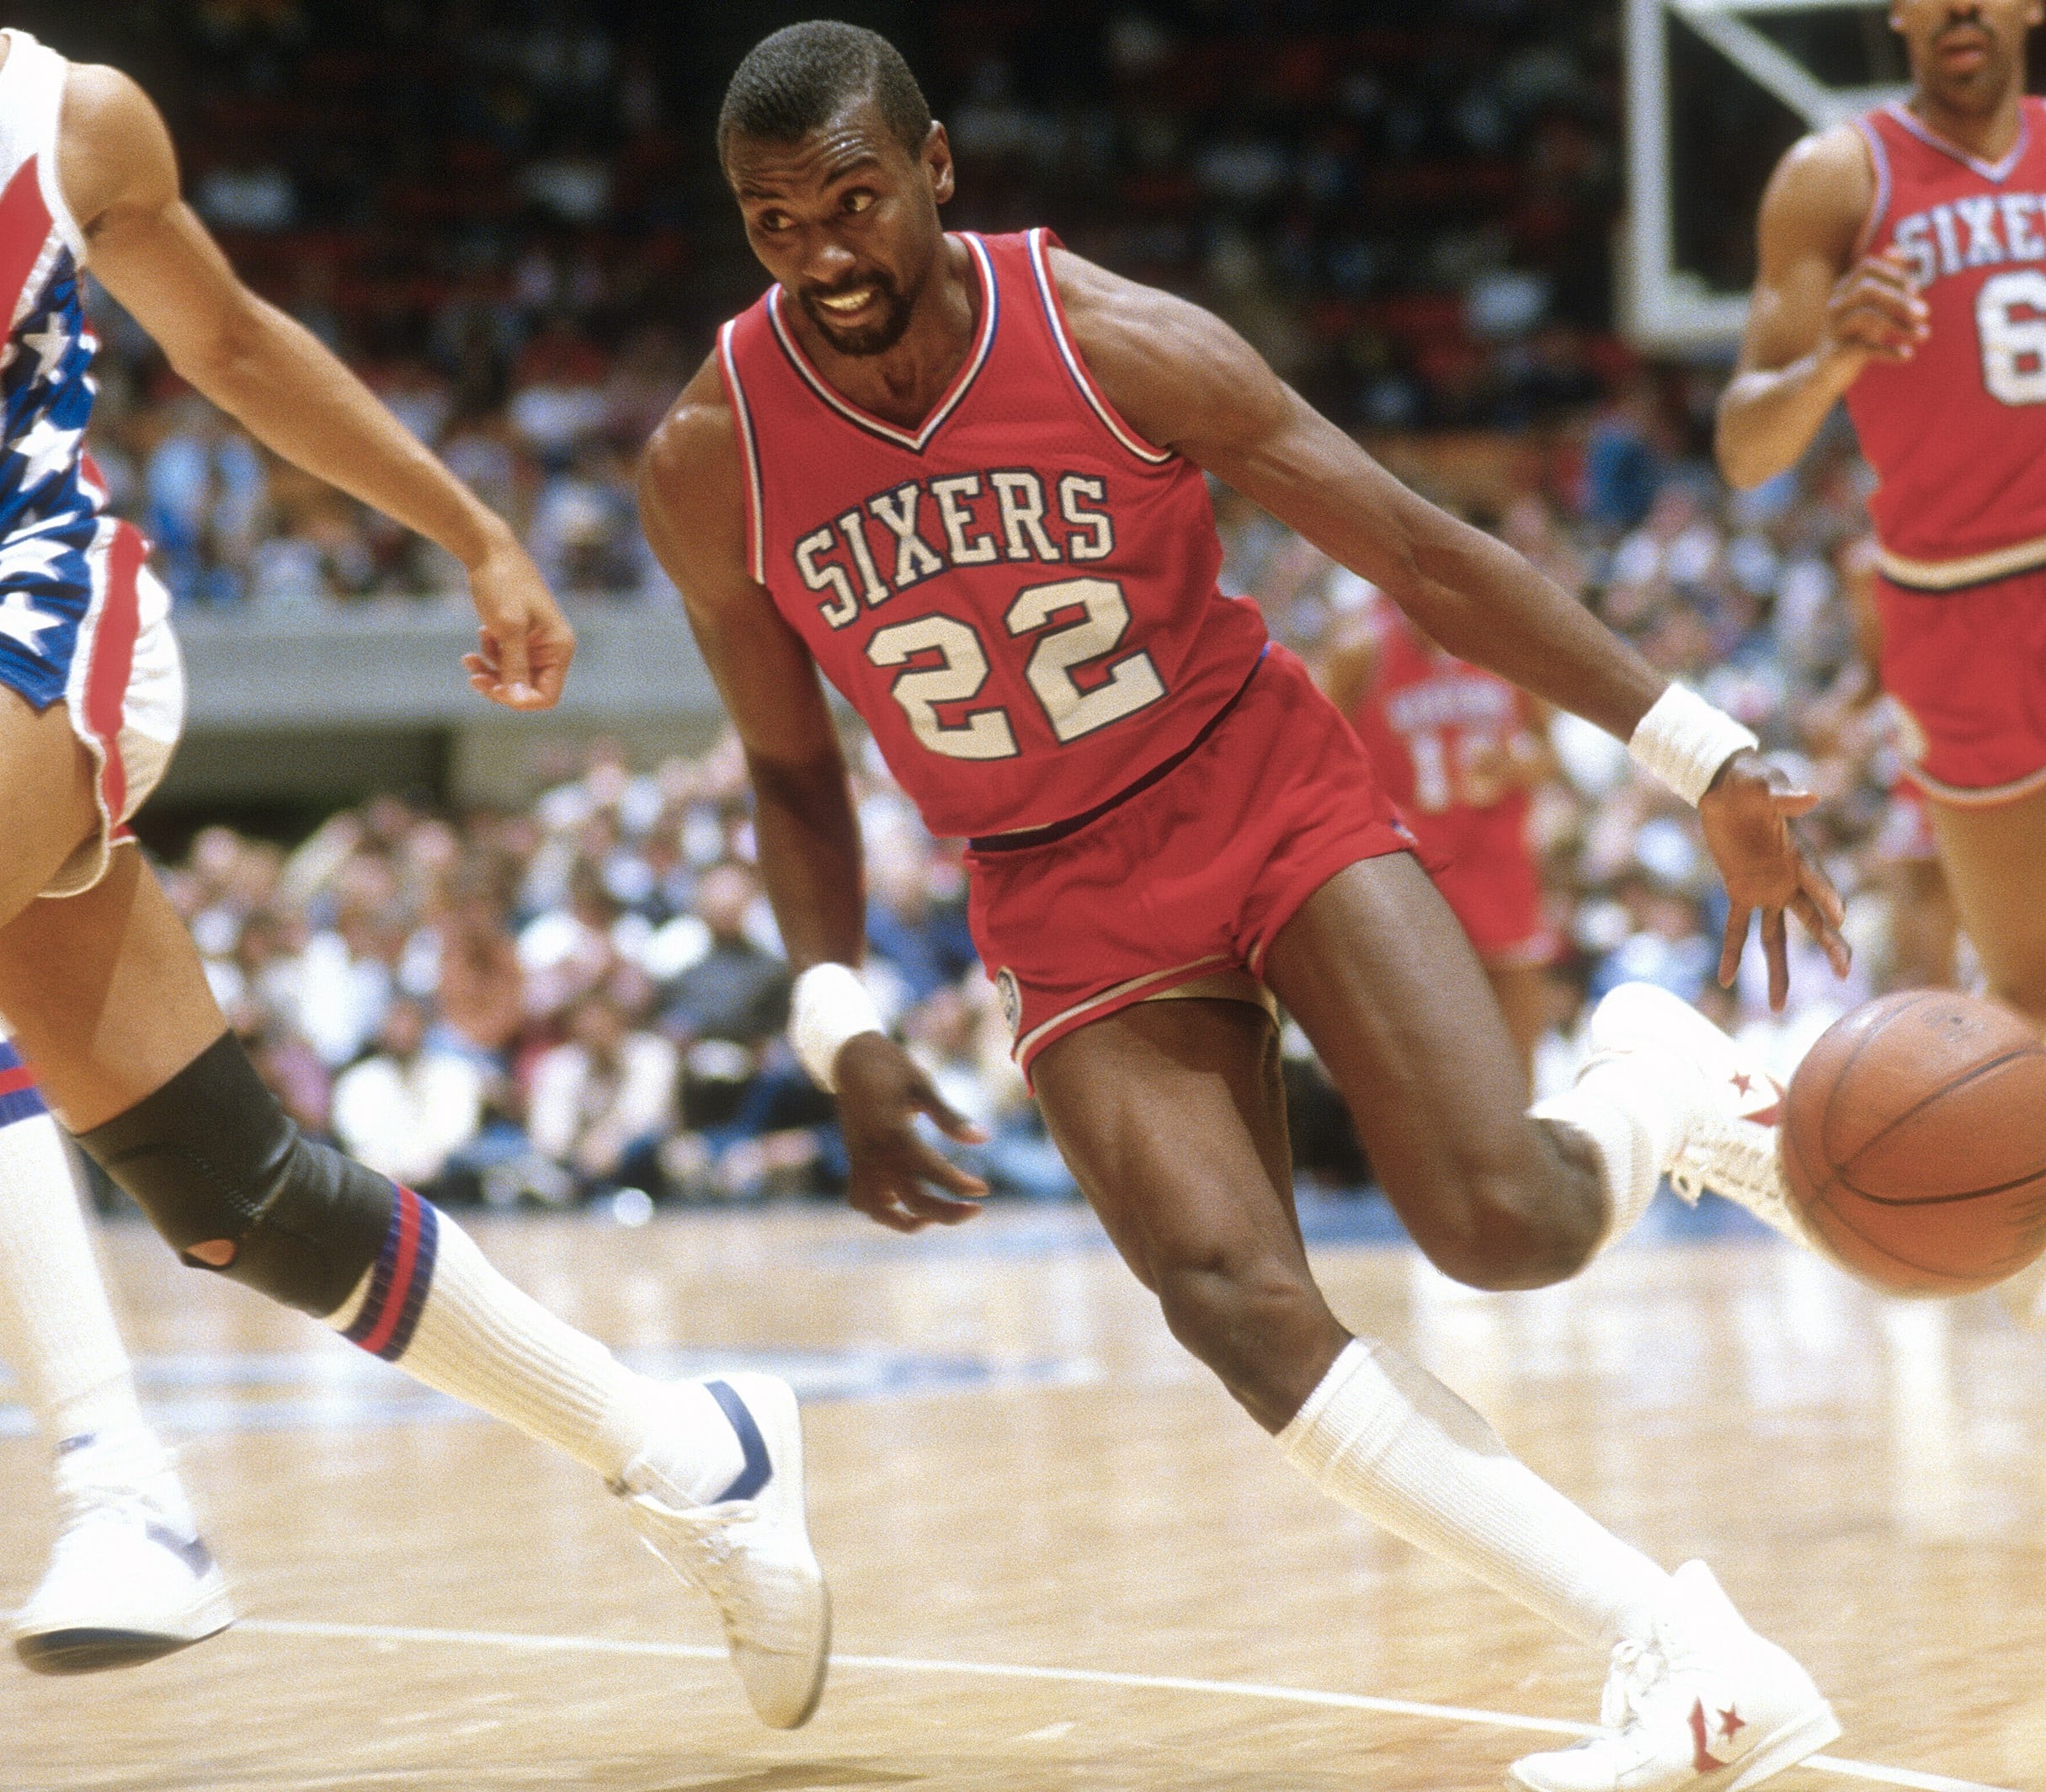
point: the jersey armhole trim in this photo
(1068, 352)
(756, 521)
(1878, 207)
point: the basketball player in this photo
(101, 987)
(1903, 267)
(964, 475)
(1460, 752)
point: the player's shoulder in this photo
(697, 437)
(1108, 312)
(691, 475)
(1824, 178)
(113, 143)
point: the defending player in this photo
(101, 986)
(964, 475)
(1903, 267)
(1460, 751)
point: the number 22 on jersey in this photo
(947, 663)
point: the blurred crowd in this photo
(509, 218)
(585, 999)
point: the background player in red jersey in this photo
(103, 987)
(1460, 750)
(1903, 267)
(964, 475)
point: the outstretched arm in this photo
(692, 504)
(1815, 321)
(150, 250)
(1187, 381)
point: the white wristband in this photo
(1684, 741)
(830, 1006)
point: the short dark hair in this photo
(800, 78)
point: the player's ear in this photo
(937, 160)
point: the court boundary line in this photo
(530, 1643)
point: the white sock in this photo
(56, 1329)
(1390, 1442)
(1635, 1112)
(432, 1305)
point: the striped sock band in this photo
(399, 1279)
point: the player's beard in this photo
(872, 338)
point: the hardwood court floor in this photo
(1061, 1557)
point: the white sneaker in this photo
(128, 1579)
(750, 1550)
(1731, 1141)
(1703, 1704)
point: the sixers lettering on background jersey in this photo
(1018, 596)
(1958, 434)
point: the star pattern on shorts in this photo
(50, 344)
(49, 448)
(20, 620)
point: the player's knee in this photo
(1524, 1222)
(231, 1183)
(1244, 1314)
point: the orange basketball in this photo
(1915, 1142)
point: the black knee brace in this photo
(211, 1156)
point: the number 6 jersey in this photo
(1018, 594)
(1958, 434)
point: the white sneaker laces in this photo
(1738, 1159)
(1640, 1667)
(722, 1560)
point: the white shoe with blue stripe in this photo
(128, 1579)
(749, 1549)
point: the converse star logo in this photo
(1745, 1085)
(1730, 1723)
(19, 621)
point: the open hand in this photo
(897, 1178)
(1746, 816)
(524, 642)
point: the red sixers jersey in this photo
(1018, 595)
(1431, 722)
(1958, 434)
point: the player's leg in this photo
(105, 993)
(1995, 865)
(1385, 984)
(128, 1579)
(1522, 993)
(1171, 1117)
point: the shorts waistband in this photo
(1934, 578)
(1021, 839)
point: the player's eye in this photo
(859, 199)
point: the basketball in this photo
(1915, 1142)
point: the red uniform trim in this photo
(1041, 241)
(112, 660)
(13, 1081)
(918, 440)
(735, 394)
(24, 231)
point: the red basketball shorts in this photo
(1493, 886)
(1191, 876)
(1967, 670)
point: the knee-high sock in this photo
(432, 1305)
(1390, 1442)
(56, 1329)
(1635, 1119)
